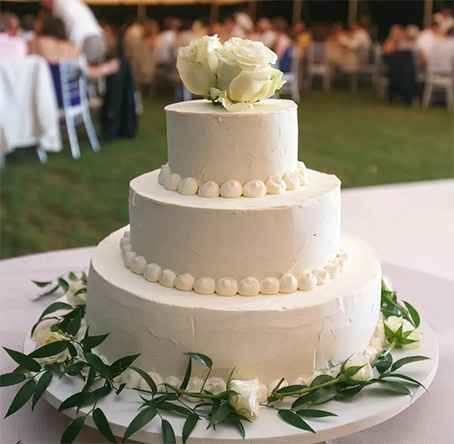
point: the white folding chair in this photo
(73, 84)
(318, 65)
(439, 76)
(292, 78)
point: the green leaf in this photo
(414, 315)
(408, 360)
(168, 435)
(395, 387)
(304, 399)
(11, 379)
(101, 392)
(75, 369)
(120, 388)
(74, 325)
(290, 389)
(220, 415)
(404, 377)
(187, 375)
(139, 421)
(90, 342)
(321, 379)
(313, 413)
(201, 359)
(148, 379)
(169, 406)
(73, 429)
(72, 276)
(41, 386)
(23, 360)
(52, 308)
(383, 363)
(96, 363)
(324, 394)
(72, 350)
(293, 419)
(22, 397)
(101, 422)
(41, 284)
(50, 291)
(90, 379)
(120, 365)
(348, 392)
(351, 371)
(63, 284)
(239, 426)
(189, 425)
(51, 349)
(77, 400)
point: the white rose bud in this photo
(77, 293)
(401, 332)
(197, 65)
(243, 397)
(363, 374)
(43, 336)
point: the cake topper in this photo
(235, 74)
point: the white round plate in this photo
(369, 408)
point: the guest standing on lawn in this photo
(81, 26)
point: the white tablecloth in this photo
(28, 105)
(412, 228)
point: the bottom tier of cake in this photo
(269, 337)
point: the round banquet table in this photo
(410, 225)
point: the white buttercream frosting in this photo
(291, 232)
(211, 144)
(249, 286)
(303, 330)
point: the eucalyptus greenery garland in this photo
(70, 341)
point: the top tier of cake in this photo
(208, 143)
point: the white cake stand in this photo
(369, 408)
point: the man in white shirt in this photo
(81, 26)
(428, 38)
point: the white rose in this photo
(364, 374)
(43, 336)
(77, 293)
(408, 332)
(238, 55)
(197, 65)
(254, 86)
(243, 397)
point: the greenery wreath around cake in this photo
(64, 348)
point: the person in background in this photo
(184, 36)
(199, 28)
(445, 20)
(301, 36)
(81, 26)
(264, 32)
(428, 38)
(11, 44)
(283, 42)
(52, 44)
(393, 42)
(164, 41)
(28, 27)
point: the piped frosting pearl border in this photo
(232, 188)
(226, 286)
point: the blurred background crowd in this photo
(396, 64)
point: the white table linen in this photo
(411, 226)
(28, 105)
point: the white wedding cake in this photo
(234, 250)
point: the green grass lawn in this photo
(70, 203)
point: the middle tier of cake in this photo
(286, 234)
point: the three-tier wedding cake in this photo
(234, 250)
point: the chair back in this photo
(316, 53)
